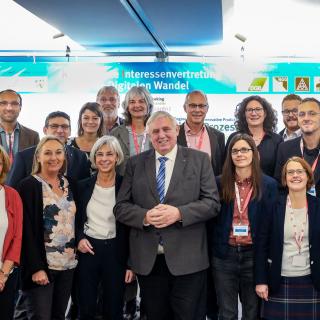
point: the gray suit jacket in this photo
(192, 190)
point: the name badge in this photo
(312, 191)
(240, 230)
(299, 261)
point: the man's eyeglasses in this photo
(299, 172)
(287, 112)
(55, 126)
(256, 110)
(194, 106)
(311, 113)
(242, 150)
(12, 103)
(112, 100)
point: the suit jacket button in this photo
(311, 262)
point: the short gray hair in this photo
(161, 114)
(110, 141)
(195, 92)
(111, 89)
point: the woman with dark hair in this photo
(90, 127)
(246, 194)
(287, 271)
(256, 117)
(10, 239)
(48, 256)
(132, 135)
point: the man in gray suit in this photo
(166, 197)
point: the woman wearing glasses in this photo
(256, 117)
(246, 196)
(287, 272)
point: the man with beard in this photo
(307, 146)
(109, 100)
(14, 136)
(289, 112)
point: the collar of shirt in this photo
(16, 128)
(170, 155)
(245, 182)
(188, 130)
(294, 134)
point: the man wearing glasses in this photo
(14, 136)
(109, 100)
(57, 124)
(289, 111)
(195, 134)
(307, 146)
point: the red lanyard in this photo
(199, 145)
(298, 238)
(246, 202)
(135, 140)
(315, 162)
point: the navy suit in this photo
(77, 165)
(269, 244)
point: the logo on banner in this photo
(280, 84)
(316, 81)
(258, 84)
(302, 84)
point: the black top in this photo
(267, 148)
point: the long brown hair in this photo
(228, 177)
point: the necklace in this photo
(58, 179)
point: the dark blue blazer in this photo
(219, 230)
(77, 165)
(83, 195)
(269, 244)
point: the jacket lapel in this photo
(311, 209)
(150, 168)
(281, 215)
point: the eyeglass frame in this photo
(243, 150)
(287, 112)
(5, 103)
(299, 172)
(200, 106)
(257, 110)
(55, 126)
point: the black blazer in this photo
(219, 231)
(77, 165)
(217, 142)
(33, 254)
(269, 244)
(82, 196)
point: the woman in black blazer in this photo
(288, 250)
(245, 196)
(102, 242)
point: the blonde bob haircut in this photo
(110, 141)
(5, 164)
(36, 166)
(305, 165)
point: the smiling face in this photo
(9, 107)
(255, 114)
(163, 135)
(296, 177)
(90, 121)
(109, 102)
(51, 157)
(290, 114)
(309, 117)
(105, 159)
(137, 107)
(196, 108)
(242, 159)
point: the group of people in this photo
(197, 222)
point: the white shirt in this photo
(169, 165)
(286, 136)
(3, 221)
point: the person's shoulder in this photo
(27, 151)
(27, 130)
(29, 183)
(292, 143)
(269, 181)
(275, 137)
(119, 129)
(215, 131)
(10, 191)
(87, 181)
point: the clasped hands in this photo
(162, 215)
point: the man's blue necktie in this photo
(161, 177)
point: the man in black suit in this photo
(57, 124)
(307, 146)
(194, 133)
(289, 112)
(167, 195)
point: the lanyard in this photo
(199, 145)
(246, 202)
(315, 162)
(298, 238)
(10, 142)
(135, 140)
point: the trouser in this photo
(7, 296)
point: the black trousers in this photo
(102, 267)
(169, 297)
(7, 297)
(50, 302)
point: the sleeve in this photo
(17, 172)
(280, 162)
